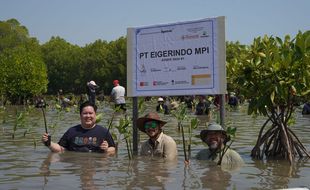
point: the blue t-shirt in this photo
(85, 140)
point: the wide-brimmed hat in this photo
(174, 105)
(149, 117)
(214, 127)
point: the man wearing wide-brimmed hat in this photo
(158, 144)
(216, 138)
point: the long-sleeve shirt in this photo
(164, 147)
(230, 157)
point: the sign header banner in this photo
(186, 58)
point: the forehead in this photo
(214, 133)
(88, 109)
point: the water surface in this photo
(25, 166)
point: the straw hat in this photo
(149, 117)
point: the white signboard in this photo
(186, 58)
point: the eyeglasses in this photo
(150, 124)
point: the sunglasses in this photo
(150, 125)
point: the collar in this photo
(159, 138)
(88, 128)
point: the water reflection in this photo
(278, 174)
(85, 165)
(215, 178)
(151, 173)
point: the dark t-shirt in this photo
(85, 140)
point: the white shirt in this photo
(118, 94)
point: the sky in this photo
(83, 22)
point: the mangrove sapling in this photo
(19, 121)
(28, 130)
(110, 121)
(180, 115)
(193, 125)
(99, 117)
(125, 130)
(59, 111)
(141, 105)
(3, 112)
(124, 127)
(231, 134)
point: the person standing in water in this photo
(91, 91)
(118, 95)
(84, 137)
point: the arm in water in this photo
(54, 147)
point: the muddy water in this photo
(25, 166)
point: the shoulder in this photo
(168, 139)
(232, 152)
(99, 127)
(234, 155)
(75, 128)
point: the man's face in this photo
(152, 128)
(88, 117)
(215, 139)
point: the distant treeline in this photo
(29, 69)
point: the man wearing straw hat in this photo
(158, 144)
(216, 138)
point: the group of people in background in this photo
(117, 96)
(200, 104)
